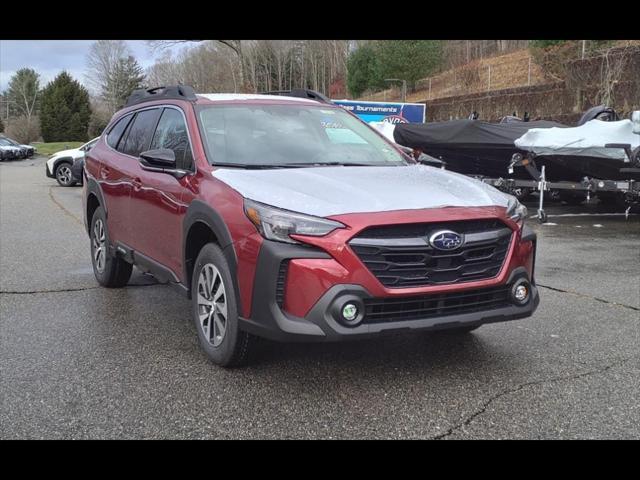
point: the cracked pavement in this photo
(80, 361)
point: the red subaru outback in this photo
(289, 218)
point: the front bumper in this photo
(269, 320)
(49, 174)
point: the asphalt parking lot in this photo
(80, 361)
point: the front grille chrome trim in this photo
(400, 261)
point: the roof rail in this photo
(301, 93)
(176, 92)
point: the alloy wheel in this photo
(64, 174)
(99, 245)
(212, 304)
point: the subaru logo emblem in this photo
(446, 240)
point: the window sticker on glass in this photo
(330, 124)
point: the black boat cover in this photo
(464, 133)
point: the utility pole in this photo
(404, 87)
(584, 47)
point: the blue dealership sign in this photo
(385, 112)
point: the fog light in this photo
(521, 292)
(349, 312)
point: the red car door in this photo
(156, 198)
(113, 173)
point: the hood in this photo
(327, 191)
(73, 152)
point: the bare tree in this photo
(104, 73)
(254, 65)
(22, 93)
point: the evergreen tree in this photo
(410, 60)
(126, 76)
(363, 70)
(65, 110)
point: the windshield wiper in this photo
(329, 164)
(250, 166)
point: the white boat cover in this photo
(385, 128)
(587, 140)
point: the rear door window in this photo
(116, 131)
(139, 136)
(171, 133)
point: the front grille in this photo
(378, 310)
(281, 281)
(401, 257)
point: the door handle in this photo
(104, 172)
(137, 183)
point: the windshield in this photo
(6, 143)
(273, 136)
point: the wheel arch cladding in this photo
(94, 200)
(60, 161)
(202, 225)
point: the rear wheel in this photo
(110, 271)
(64, 176)
(215, 311)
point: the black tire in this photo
(63, 175)
(115, 272)
(235, 344)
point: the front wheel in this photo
(64, 177)
(215, 311)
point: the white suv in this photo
(59, 166)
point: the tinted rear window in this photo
(116, 131)
(141, 131)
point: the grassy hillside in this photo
(53, 147)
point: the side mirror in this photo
(161, 160)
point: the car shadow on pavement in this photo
(403, 350)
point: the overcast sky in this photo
(50, 57)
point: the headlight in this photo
(516, 211)
(276, 224)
